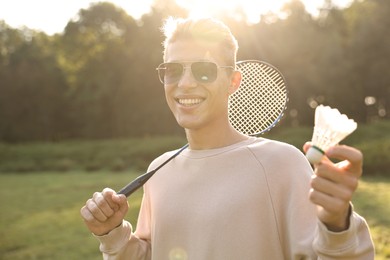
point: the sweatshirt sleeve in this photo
(354, 243)
(123, 243)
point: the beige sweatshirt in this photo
(241, 202)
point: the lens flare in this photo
(178, 254)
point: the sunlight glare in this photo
(56, 14)
(251, 8)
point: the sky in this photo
(51, 16)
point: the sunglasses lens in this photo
(170, 73)
(204, 72)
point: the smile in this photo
(189, 101)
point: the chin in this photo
(188, 124)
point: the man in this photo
(230, 196)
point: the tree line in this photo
(97, 78)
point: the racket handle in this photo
(136, 184)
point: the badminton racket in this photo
(255, 108)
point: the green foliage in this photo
(40, 213)
(113, 155)
(122, 154)
(372, 139)
(97, 79)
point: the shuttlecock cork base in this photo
(330, 127)
(314, 154)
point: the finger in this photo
(344, 152)
(108, 195)
(306, 146)
(86, 214)
(332, 189)
(95, 211)
(105, 205)
(353, 158)
(328, 171)
(118, 202)
(121, 201)
(331, 204)
(331, 172)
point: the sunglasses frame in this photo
(189, 64)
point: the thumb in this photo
(120, 200)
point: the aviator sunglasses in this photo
(202, 71)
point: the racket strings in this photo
(261, 99)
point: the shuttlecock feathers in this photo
(330, 127)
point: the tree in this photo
(369, 52)
(98, 55)
(32, 88)
(97, 79)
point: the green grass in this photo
(40, 213)
(41, 199)
(85, 155)
(372, 201)
(120, 155)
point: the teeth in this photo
(189, 101)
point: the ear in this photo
(235, 82)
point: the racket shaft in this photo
(141, 180)
(136, 184)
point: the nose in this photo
(187, 79)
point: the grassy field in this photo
(373, 202)
(43, 185)
(40, 213)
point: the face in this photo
(194, 104)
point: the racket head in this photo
(260, 101)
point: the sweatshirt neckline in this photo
(197, 154)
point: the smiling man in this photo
(228, 196)
(201, 109)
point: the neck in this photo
(202, 139)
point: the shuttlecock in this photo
(330, 127)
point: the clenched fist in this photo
(104, 211)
